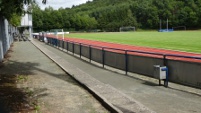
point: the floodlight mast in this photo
(167, 24)
(160, 25)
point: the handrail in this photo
(143, 52)
(136, 51)
(127, 61)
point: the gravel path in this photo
(55, 91)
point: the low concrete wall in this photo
(97, 55)
(143, 65)
(77, 49)
(187, 73)
(70, 47)
(85, 51)
(115, 60)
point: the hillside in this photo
(110, 15)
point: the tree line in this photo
(110, 15)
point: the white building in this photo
(26, 21)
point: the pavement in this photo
(48, 69)
(125, 93)
(42, 81)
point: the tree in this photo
(109, 15)
(14, 8)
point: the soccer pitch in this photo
(189, 41)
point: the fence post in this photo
(164, 60)
(103, 57)
(80, 50)
(67, 46)
(73, 48)
(57, 43)
(126, 61)
(63, 45)
(90, 53)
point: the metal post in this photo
(80, 50)
(103, 57)
(73, 48)
(63, 45)
(126, 62)
(167, 78)
(90, 53)
(67, 46)
(165, 64)
(164, 60)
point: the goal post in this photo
(127, 29)
(179, 28)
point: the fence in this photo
(180, 71)
(6, 36)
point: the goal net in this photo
(126, 29)
(177, 28)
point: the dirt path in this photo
(41, 85)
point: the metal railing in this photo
(136, 61)
(122, 51)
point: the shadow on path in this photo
(14, 98)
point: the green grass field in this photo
(189, 41)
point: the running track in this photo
(136, 48)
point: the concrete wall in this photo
(187, 73)
(85, 51)
(77, 49)
(97, 55)
(143, 65)
(115, 60)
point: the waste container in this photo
(161, 73)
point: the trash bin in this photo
(161, 73)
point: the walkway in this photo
(55, 91)
(175, 99)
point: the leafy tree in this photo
(109, 15)
(12, 9)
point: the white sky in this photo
(61, 3)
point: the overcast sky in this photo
(61, 3)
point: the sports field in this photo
(189, 41)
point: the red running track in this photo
(137, 48)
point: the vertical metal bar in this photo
(167, 74)
(73, 48)
(67, 46)
(90, 53)
(126, 62)
(63, 45)
(164, 60)
(56, 42)
(103, 57)
(167, 77)
(80, 50)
